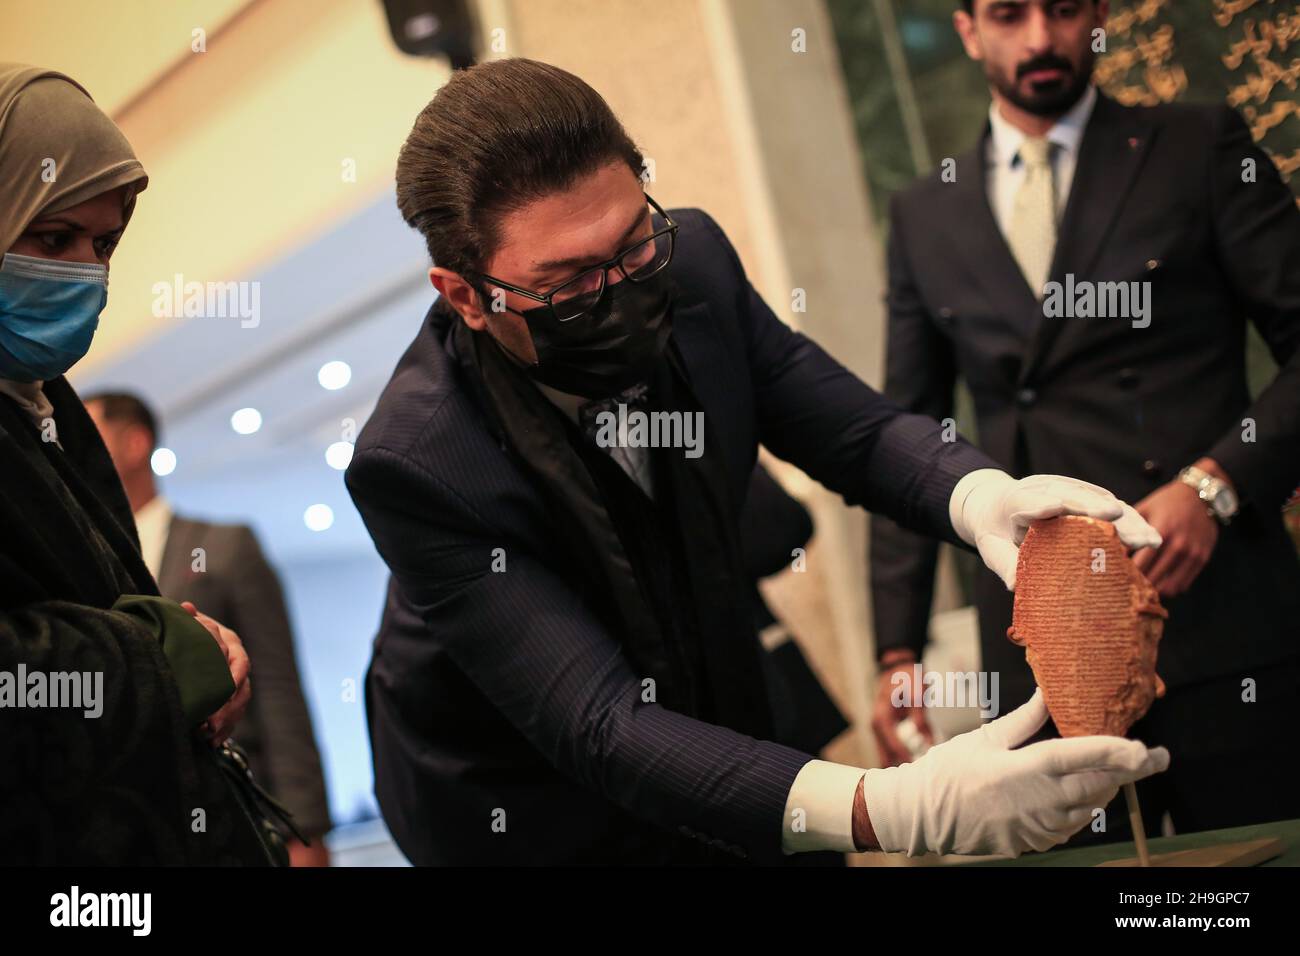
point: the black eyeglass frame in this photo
(546, 298)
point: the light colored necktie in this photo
(1031, 234)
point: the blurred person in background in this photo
(132, 776)
(231, 579)
(1178, 204)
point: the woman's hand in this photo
(220, 725)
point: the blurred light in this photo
(339, 454)
(334, 375)
(318, 517)
(163, 461)
(246, 421)
(921, 35)
(421, 26)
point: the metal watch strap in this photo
(1201, 481)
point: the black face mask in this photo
(610, 348)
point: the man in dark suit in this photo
(1066, 190)
(221, 569)
(567, 668)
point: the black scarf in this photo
(717, 676)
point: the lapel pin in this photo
(1134, 142)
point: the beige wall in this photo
(657, 73)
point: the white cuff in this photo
(819, 809)
(897, 826)
(980, 482)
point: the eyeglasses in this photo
(583, 293)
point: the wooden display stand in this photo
(1246, 853)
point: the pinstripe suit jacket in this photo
(506, 724)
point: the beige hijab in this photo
(46, 116)
(57, 149)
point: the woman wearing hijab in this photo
(111, 698)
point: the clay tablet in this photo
(1089, 622)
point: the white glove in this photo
(992, 511)
(974, 794)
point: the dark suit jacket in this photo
(502, 693)
(241, 590)
(1158, 197)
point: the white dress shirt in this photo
(154, 522)
(1006, 172)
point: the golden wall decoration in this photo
(1261, 63)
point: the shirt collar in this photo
(156, 513)
(568, 404)
(1005, 139)
(572, 405)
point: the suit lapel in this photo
(700, 346)
(1110, 155)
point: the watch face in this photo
(1225, 503)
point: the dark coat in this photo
(122, 788)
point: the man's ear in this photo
(462, 296)
(964, 24)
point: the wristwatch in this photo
(1220, 500)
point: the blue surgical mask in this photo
(49, 311)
